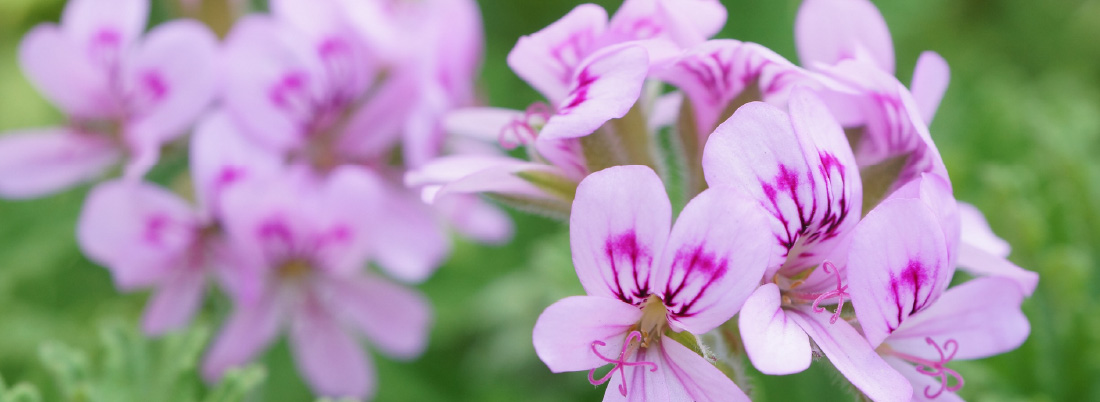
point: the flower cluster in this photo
(327, 138)
(821, 218)
(305, 120)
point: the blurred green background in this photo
(1019, 129)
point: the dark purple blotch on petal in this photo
(579, 94)
(912, 279)
(786, 182)
(625, 247)
(697, 267)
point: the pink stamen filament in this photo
(840, 292)
(936, 368)
(620, 362)
(521, 131)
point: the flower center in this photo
(294, 269)
(934, 368)
(523, 131)
(792, 297)
(654, 319)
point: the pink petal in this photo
(983, 315)
(828, 31)
(272, 79)
(483, 123)
(61, 70)
(687, 23)
(408, 241)
(930, 78)
(898, 265)
(221, 157)
(565, 331)
(853, 357)
(247, 332)
(681, 375)
(175, 302)
(921, 383)
(548, 59)
(374, 129)
(774, 343)
(477, 219)
(798, 166)
(395, 319)
(346, 222)
(701, 379)
(977, 233)
(620, 221)
(717, 71)
(84, 19)
(978, 261)
(935, 192)
(331, 361)
(173, 77)
(39, 162)
(714, 259)
(315, 18)
(473, 174)
(605, 86)
(139, 231)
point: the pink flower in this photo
(591, 70)
(900, 264)
(977, 319)
(646, 283)
(123, 94)
(799, 168)
(304, 241)
(149, 237)
(848, 43)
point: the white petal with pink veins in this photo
(898, 265)
(619, 225)
(604, 87)
(714, 258)
(548, 59)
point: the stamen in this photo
(841, 292)
(936, 369)
(619, 362)
(522, 131)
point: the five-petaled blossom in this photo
(303, 243)
(898, 266)
(798, 166)
(148, 237)
(124, 94)
(647, 285)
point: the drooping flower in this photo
(798, 166)
(124, 95)
(304, 241)
(648, 287)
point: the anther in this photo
(619, 362)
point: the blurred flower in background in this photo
(337, 170)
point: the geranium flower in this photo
(798, 166)
(124, 94)
(148, 237)
(648, 286)
(304, 241)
